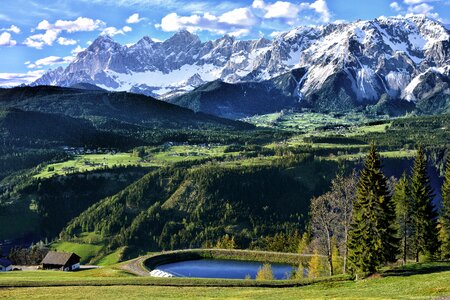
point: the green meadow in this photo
(424, 281)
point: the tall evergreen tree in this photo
(444, 220)
(404, 210)
(424, 217)
(372, 236)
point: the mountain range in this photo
(329, 67)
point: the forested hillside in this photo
(121, 172)
(182, 207)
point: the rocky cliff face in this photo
(345, 64)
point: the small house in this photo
(61, 261)
(5, 265)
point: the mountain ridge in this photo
(358, 61)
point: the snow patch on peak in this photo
(378, 56)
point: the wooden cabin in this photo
(61, 261)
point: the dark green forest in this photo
(130, 172)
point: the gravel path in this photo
(135, 266)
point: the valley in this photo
(166, 183)
(222, 149)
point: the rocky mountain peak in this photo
(103, 43)
(364, 59)
(182, 38)
(195, 80)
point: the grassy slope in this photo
(85, 251)
(90, 162)
(90, 252)
(401, 285)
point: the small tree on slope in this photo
(444, 220)
(424, 217)
(372, 236)
(404, 210)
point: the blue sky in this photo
(36, 35)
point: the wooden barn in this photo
(61, 261)
(5, 265)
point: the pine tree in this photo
(404, 210)
(424, 216)
(444, 220)
(372, 236)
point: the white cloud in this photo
(236, 22)
(66, 42)
(127, 29)
(12, 28)
(241, 21)
(413, 2)
(421, 9)
(112, 31)
(289, 10)
(52, 31)
(275, 34)
(174, 22)
(39, 40)
(188, 7)
(240, 32)
(50, 61)
(80, 24)
(238, 16)
(395, 6)
(15, 79)
(258, 4)
(77, 50)
(279, 9)
(6, 40)
(134, 18)
(321, 7)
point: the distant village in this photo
(83, 151)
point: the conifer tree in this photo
(404, 210)
(444, 220)
(424, 217)
(372, 236)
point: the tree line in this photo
(370, 220)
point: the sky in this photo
(39, 35)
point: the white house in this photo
(5, 265)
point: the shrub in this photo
(265, 273)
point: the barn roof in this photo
(57, 258)
(5, 262)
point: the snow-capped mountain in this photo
(357, 62)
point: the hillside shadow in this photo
(416, 269)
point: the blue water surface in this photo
(217, 268)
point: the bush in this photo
(265, 273)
